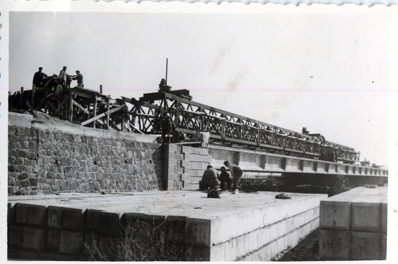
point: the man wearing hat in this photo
(38, 78)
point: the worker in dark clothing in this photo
(225, 179)
(79, 78)
(236, 173)
(210, 178)
(163, 87)
(39, 78)
(167, 128)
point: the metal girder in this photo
(227, 128)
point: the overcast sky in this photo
(329, 72)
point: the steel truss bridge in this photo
(228, 129)
(174, 113)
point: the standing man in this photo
(236, 174)
(79, 78)
(38, 78)
(63, 77)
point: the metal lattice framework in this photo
(228, 129)
(174, 113)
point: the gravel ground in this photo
(306, 250)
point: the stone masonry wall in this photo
(52, 158)
(184, 166)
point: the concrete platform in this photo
(247, 226)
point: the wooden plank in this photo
(51, 105)
(71, 108)
(114, 126)
(95, 108)
(61, 104)
(81, 107)
(31, 108)
(102, 115)
(86, 111)
(42, 101)
(107, 109)
(86, 95)
(139, 131)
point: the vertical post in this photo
(33, 95)
(101, 89)
(95, 109)
(202, 120)
(71, 108)
(20, 98)
(223, 123)
(167, 66)
(107, 109)
(122, 125)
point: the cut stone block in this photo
(103, 222)
(384, 209)
(335, 215)
(71, 242)
(334, 245)
(383, 246)
(54, 216)
(34, 238)
(72, 218)
(53, 240)
(200, 158)
(366, 246)
(11, 213)
(198, 232)
(366, 216)
(186, 149)
(172, 148)
(30, 214)
(15, 236)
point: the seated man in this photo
(210, 178)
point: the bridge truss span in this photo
(227, 129)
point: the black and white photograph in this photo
(198, 132)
